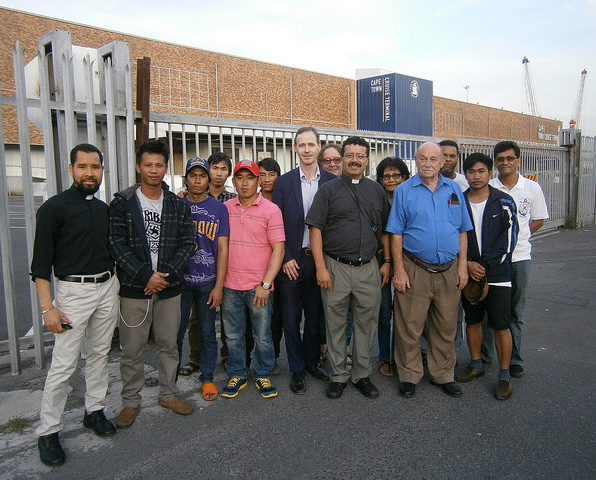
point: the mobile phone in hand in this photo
(66, 326)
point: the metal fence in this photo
(586, 209)
(66, 112)
(69, 112)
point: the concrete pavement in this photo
(546, 430)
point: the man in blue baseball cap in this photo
(202, 283)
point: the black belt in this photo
(347, 262)
(104, 277)
(429, 267)
(307, 251)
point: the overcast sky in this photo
(454, 44)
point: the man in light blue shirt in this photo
(428, 223)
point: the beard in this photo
(448, 172)
(87, 190)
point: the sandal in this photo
(187, 369)
(209, 391)
(385, 368)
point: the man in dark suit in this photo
(297, 281)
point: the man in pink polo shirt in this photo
(255, 256)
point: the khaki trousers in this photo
(136, 317)
(358, 289)
(93, 310)
(434, 295)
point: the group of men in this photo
(322, 244)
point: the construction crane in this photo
(579, 100)
(532, 103)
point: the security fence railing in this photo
(68, 111)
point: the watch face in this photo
(265, 285)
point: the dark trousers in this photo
(296, 296)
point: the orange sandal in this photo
(385, 368)
(209, 391)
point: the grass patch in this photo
(15, 425)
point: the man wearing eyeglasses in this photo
(293, 193)
(347, 220)
(531, 213)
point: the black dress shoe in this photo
(298, 385)
(516, 371)
(50, 450)
(407, 389)
(318, 373)
(450, 388)
(335, 389)
(367, 388)
(99, 423)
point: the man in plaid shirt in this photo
(151, 237)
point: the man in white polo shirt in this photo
(531, 213)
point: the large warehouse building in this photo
(191, 81)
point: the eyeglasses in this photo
(508, 159)
(328, 161)
(359, 156)
(392, 176)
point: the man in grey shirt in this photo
(346, 220)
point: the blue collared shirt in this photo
(429, 222)
(309, 190)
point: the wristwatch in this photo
(265, 285)
(387, 260)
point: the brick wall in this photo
(455, 119)
(250, 90)
(245, 89)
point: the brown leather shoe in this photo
(504, 390)
(469, 374)
(127, 416)
(176, 404)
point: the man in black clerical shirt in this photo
(71, 239)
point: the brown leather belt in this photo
(103, 277)
(429, 267)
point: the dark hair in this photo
(304, 130)
(507, 145)
(474, 158)
(449, 143)
(87, 148)
(219, 157)
(270, 165)
(355, 141)
(325, 148)
(392, 162)
(158, 147)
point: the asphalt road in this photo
(546, 430)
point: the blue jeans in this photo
(384, 330)
(205, 324)
(236, 310)
(520, 279)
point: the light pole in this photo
(467, 89)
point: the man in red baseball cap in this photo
(255, 255)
